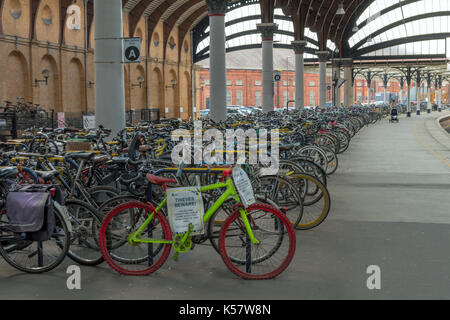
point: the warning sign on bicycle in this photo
(185, 206)
(243, 186)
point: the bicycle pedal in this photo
(175, 256)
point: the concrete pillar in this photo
(323, 56)
(408, 78)
(418, 99)
(338, 90)
(109, 74)
(267, 30)
(408, 107)
(439, 85)
(336, 75)
(348, 85)
(429, 100)
(439, 95)
(299, 49)
(217, 69)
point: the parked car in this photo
(246, 110)
(204, 113)
(235, 110)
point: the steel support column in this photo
(109, 73)
(267, 30)
(299, 49)
(217, 69)
(323, 56)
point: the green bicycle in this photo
(257, 242)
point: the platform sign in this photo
(243, 186)
(131, 50)
(88, 122)
(185, 206)
(61, 116)
(277, 76)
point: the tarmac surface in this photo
(390, 208)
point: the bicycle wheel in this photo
(315, 154)
(333, 161)
(265, 260)
(85, 221)
(316, 200)
(216, 222)
(101, 194)
(282, 192)
(34, 256)
(107, 206)
(137, 258)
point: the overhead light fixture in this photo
(340, 10)
(355, 28)
(369, 40)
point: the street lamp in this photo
(173, 84)
(139, 84)
(46, 75)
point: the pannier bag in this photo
(30, 211)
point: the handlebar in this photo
(124, 181)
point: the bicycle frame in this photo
(230, 192)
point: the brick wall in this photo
(24, 55)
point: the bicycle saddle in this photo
(159, 180)
(47, 175)
(286, 147)
(8, 172)
(81, 155)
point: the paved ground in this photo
(390, 208)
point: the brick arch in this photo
(126, 80)
(49, 96)
(172, 94)
(22, 25)
(17, 79)
(157, 90)
(75, 90)
(42, 31)
(68, 36)
(138, 95)
(187, 79)
(1, 10)
(139, 33)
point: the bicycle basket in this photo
(30, 210)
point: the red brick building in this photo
(244, 88)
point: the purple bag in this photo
(31, 213)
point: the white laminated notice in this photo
(185, 206)
(243, 186)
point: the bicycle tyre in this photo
(62, 242)
(268, 271)
(105, 247)
(93, 219)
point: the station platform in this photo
(390, 208)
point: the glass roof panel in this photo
(403, 9)
(426, 47)
(250, 25)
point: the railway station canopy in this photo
(406, 40)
